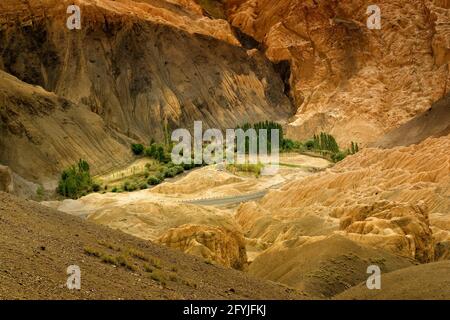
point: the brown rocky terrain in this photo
(161, 214)
(206, 232)
(428, 281)
(324, 267)
(38, 244)
(42, 133)
(145, 67)
(346, 79)
(396, 200)
(140, 68)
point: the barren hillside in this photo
(38, 244)
(42, 133)
(434, 122)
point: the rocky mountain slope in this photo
(146, 67)
(38, 244)
(42, 133)
(349, 80)
(434, 122)
(428, 281)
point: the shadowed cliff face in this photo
(346, 79)
(146, 68)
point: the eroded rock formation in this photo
(395, 199)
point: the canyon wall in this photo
(346, 79)
(145, 67)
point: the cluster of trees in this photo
(76, 181)
(326, 144)
(156, 151)
(284, 144)
(354, 148)
(325, 141)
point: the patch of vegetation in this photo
(137, 254)
(40, 192)
(108, 259)
(120, 260)
(155, 262)
(247, 167)
(354, 148)
(137, 148)
(153, 180)
(326, 145)
(76, 181)
(158, 276)
(129, 186)
(96, 187)
(159, 152)
(123, 261)
(92, 252)
(143, 186)
(109, 245)
(285, 145)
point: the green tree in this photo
(137, 148)
(75, 180)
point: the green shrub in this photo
(108, 259)
(114, 190)
(92, 252)
(96, 187)
(247, 167)
(143, 186)
(309, 144)
(188, 166)
(137, 254)
(137, 148)
(153, 181)
(40, 192)
(178, 169)
(75, 181)
(148, 268)
(158, 276)
(169, 172)
(339, 156)
(128, 186)
(124, 262)
(151, 151)
(160, 176)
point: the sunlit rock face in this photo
(224, 247)
(207, 232)
(347, 79)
